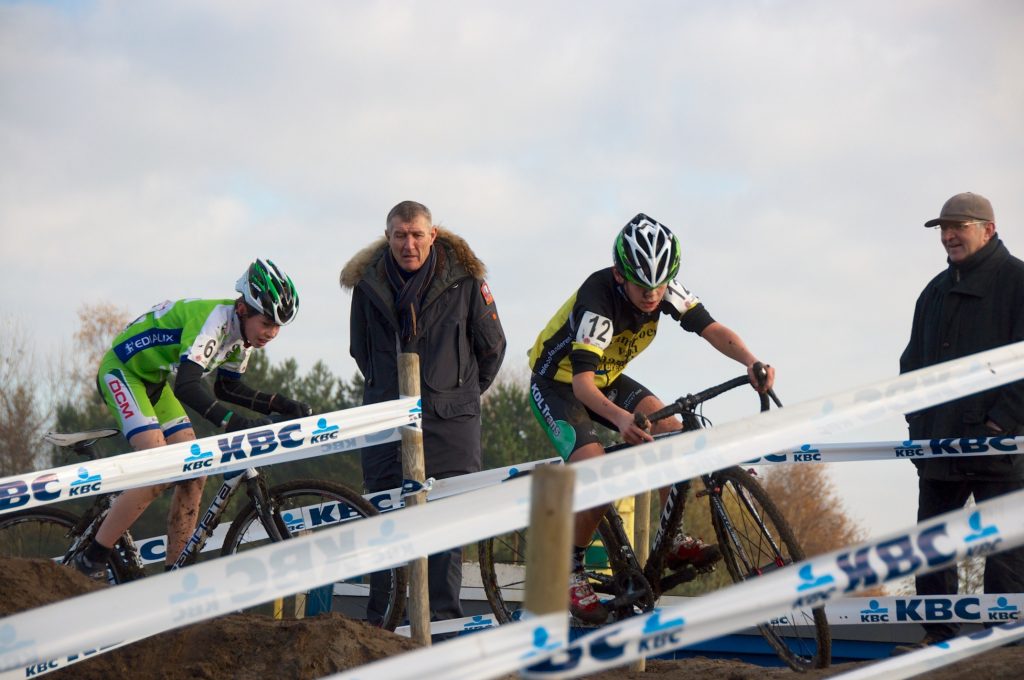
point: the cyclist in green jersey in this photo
(190, 338)
(578, 362)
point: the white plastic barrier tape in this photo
(927, 609)
(938, 655)
(466, 624)
(154, 549)
(386, 501)
(278, 443)
(492, 654)
(990, 527)
(910, 449)
(843, 612)
(230, 583)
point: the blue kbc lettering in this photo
(898, 555)
(19, 492)
(806, 454)
(259, 442)
(909, 449)
(938, 609)
(972, 445)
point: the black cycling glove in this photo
(289, 408)
(238, 422)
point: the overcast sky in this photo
(152, 149)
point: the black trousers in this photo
(1004, 572)
(382, 470)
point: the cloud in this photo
(151, 150)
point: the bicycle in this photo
(753, 536)
(272, 514)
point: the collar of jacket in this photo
(456, 261)
(972, 275)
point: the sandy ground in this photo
(257, 647)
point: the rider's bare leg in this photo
(181, 518)
(132, 503)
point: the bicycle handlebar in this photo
(690, 402)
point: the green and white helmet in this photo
(269, 291)
(646, 252)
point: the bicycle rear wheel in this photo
(45, 533)
(40, 533)
(503, 573)
(303, 506)
(755, 539)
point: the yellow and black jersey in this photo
(598, 329)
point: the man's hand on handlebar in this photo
(630, 431)
(762, 376)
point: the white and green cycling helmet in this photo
(269, 291)
(646, 252)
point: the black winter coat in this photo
(460, 343)
(969, 308)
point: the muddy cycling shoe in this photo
(81, 564)
(584, 604)
(687, 550)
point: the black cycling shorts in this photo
(567, 422)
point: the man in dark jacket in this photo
(975, 304)
(421, 289)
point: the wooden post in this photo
(641, 545)
(414, 468)
(550, 540)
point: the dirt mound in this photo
(235, 646)
(248, 646)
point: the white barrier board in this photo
(493, 653)
(992, 526)
(910, 449)
(291, 440)
(939, 655)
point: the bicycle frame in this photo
(675, 502)
(127, 551)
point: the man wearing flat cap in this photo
(975, 304)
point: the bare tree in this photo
(98, 324)
(808, 498)
(22, 418)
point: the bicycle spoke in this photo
(305, 507)
(755, 539)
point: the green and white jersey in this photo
(207, 332)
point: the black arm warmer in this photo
(239, 393)
(190, 390)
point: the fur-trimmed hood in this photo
(354, 271)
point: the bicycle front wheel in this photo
(301, 507)
(755, 538)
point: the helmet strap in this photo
(243, 311)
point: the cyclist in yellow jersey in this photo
(578, 362)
